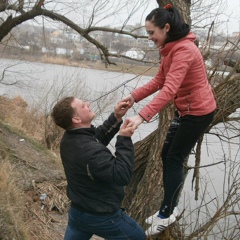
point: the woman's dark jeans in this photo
(181, 138)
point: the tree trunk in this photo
(145, 192)
(182, 6)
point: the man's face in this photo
(83, 114)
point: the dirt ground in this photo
(41, 183)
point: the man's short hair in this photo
(63, 112)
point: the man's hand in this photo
(126, 129)
(120, 109)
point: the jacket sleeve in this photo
(109, 128)
(104, 166)
(149, 88)
(182, 59)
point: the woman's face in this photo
(156, 34)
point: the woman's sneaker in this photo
(175, 212)
(150, 219)
(159, 224)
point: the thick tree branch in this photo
(11, 22)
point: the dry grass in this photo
(57, 60)
(15, 112)
(12, 204)
(43, 213)
(23, 215)
(11, 109)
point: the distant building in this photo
(135, 53)
(64, 51)
(236, 34)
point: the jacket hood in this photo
(168, 47)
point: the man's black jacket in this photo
(96, 178)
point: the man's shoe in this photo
(159, 225)
(150, 219)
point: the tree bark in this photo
(145, 192)
(182, 6)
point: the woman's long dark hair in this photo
(160, 16)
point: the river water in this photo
(42, 84)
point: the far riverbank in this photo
(132, 68)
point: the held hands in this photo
(126, 129)
(129, 99)
(120, 109)
(135, 121)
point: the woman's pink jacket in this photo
(182, 78)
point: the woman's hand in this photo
(135, 121)
(129, 99)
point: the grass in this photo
(21, 216)
(26, 122)
(11, 202)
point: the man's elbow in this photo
(123, 181)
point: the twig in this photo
(203, 166)
(26, 162)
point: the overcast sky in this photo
(232, 9)
(225, 12)
(229, 14)
(115, 13)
